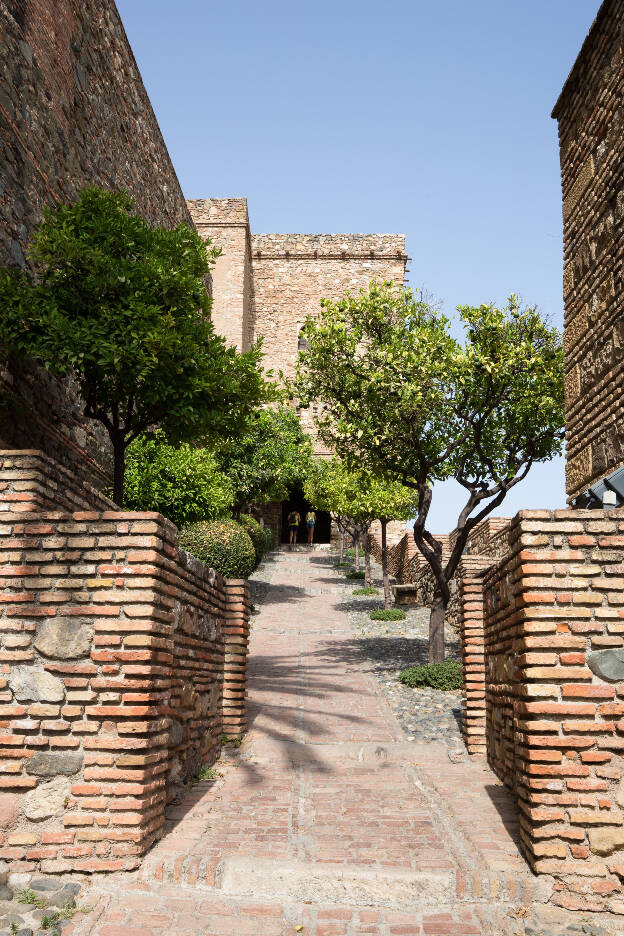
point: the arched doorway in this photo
(296, 501)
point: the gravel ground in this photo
(390, 647)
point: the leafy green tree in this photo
(355, 498)
(123, 307)
(410, 402)
(267, 458)
(331, 487)
(183, 482)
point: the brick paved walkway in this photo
(327, 822)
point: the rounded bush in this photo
(366, 591)
(446, 676)
(222, 544)
(256, 533)
(388, 614)
(356, 575)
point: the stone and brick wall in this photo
(30, 481)
(265, 285)
(293, 272)
(590, 114)
(466, 614)
(123, 661)
(73, 112)
(226, 222)
(553, 626)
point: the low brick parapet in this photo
(120, 656)
(471, 628)
(554, 652)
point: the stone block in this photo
(45, 764)
(64, 639)
(33, 685)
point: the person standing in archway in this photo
(294, 519)
(310, 523)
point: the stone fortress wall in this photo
(73, 112)
(590, 115)
(265, 285)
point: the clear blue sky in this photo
(431, 119)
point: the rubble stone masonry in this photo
(590, 112)
(123, 660)
(73, 112)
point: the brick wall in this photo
(30, 480)
(73, 111)
(554, 633)
(590, 116)
(123, 660)
(466, 613)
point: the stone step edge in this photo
(504, 888)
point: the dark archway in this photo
(296, 501)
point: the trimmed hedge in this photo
(388, 614)
(366, 591)
(355, 575)
(256, 534)
(223, 544)
(446, 676)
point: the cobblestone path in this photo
(327, 821)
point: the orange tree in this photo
(123, 307)
(410, 402)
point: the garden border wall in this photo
(123, 660)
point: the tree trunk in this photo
(367, 563)
(384, 565)
(356, 540)
(436, 627)
(342, 539)
(119, 470)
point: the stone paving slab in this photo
(318, 823)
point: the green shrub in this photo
(256, 533)
(182, 482)
(447, 675)
(350, 551)
(222, 544)
(355, 575)
(366, 591)
(388, 614)
(269, 536)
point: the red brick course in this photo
(553, 728)
(122, 662)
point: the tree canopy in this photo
(345, 491)
(183, 482)
(355, 498)
(269, 456)
(412, 403)
(124, 308)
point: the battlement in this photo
(218, 211)
(327, 246)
